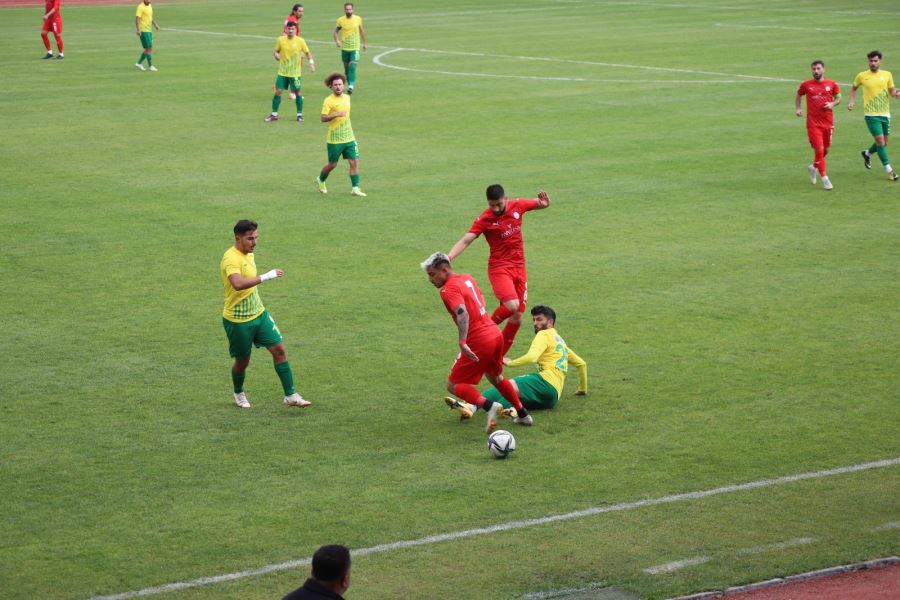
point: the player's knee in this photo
(240, 364)
(512, 305)
(451, 387)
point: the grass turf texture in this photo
(739, 324)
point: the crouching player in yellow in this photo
(539, 390)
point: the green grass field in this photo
(738, 323)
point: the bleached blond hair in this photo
(435, 260)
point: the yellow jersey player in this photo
(247, 322)
(543, 389)
(878, 87)
(144, 23)
(289, 51)
(340, 140)
(350, 35)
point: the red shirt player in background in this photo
(480, 342)
(501, 224)
(294, 17)
(821, 96)
(52, 22)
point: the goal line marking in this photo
(512, 525)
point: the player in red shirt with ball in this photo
(501, 224)
(52, 22)
(480, 342)
(822, 95)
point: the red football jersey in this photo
(817, 94)
(504, 233)
(462, 289)
(50, 5)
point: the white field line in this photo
(803, 541)
(378, 60)
(788, 28)
(753, 7)
(677, 564)
(512, 525)
(887, 526)
(562, 592)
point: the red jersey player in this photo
(52, 22)
(294, 17)
(821, 96)
(480, 342)
(501, 224)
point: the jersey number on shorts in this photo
(471, 287)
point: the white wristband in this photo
(267, 276)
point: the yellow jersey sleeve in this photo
(538, 346)
(578, 362)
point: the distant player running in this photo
(501, 224)
(289, 51)
(144, 23)
(246, 320)
(480, 342)
(349, 35)
(340, 141)
(878, 87)
(543, 389)
(822, 95)
(52, 22)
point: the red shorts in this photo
(489, 350)
(54, 25)
(510, 283)
(820, 137)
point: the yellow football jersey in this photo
(553, 358)
(291, 52)
(876, 100)
(350, 38)
(145, 12)
(240, 305)
(339, 129)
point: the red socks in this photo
(509, 335)
(507, 390)
(819, 162)
(59, 43)
(469, 393)
(500, 314)
(46, 40)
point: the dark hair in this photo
(495, 192)
(874, 53)
(331, 563)
(548, 312)
(244, 226)
(296, 6)
(816, 62)
(346, 4)
(291, 24)
(330, 79)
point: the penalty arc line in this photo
(512, 525)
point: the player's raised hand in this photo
(543, 199)
(464, 348)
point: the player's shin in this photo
(508, 391)
(500, 314)
(469, 393)
(509, 334)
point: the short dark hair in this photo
(346, 4)
(331, 562)
(330, 79)
(817, 62)
(296, 6)
(495, 192)
(245, 226)
(874, 53)
(291, 24)
(548, 312)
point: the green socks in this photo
(276, 102)
(299, 104)
(354, 180)
(882, 154)
(323, 176)
(286, 377)
(351, 74)
(237, 379)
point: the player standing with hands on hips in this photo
(822, 95)
(247, 322)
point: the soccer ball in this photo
(501, 443)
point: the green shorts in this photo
(349, 56)
(261, 332)
(146, 39)
(534, 392)
(283, 82)
(879, 126)
(348, 150)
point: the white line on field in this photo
(754, 7)
(511, 525)
(562, 592)
(378, 60)
(803, 541)
(676, 564)
(886, 526)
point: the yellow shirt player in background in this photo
(543, 389)
(144, 24)
(289, 51)
(878, 87)
(247, 322)
(349, 35)
(339, 139)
